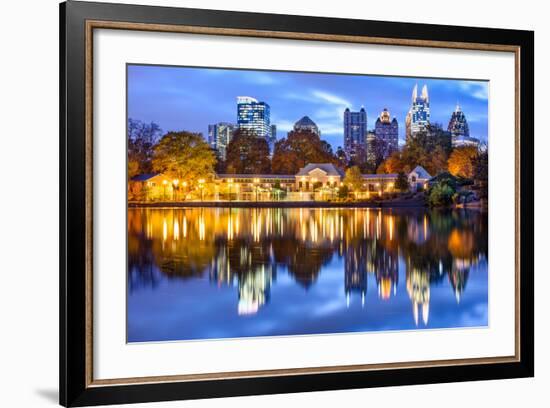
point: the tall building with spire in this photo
(459, 130)
(458, 125)
(387, 131)
(355, 132)
(420, 111)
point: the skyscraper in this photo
(355, 132)
(387, 131)
(420, 111)
(254, 116)
(219, 136)
(408, 125)
(372, 149)
(458, 125)
(307, 125)
(459, 130)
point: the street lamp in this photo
(256, 181)
(201, 186)
(164, 182)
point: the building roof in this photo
(305, 122)
(144, 177)
(380, 176)
(263, 176)
(422, 173)
(329, 168)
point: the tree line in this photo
(187, 156)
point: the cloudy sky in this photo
(180, 98)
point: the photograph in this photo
(286, 203)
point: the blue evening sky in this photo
(180, 98)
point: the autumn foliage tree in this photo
(247, 154)
(462, 162)
(429, 149)
(184, 156)
(298, 149)
(392, 164)
(354, 178)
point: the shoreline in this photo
(279, 204)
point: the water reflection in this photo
(216, 268)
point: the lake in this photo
(209, 273)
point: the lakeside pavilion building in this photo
(315, 181)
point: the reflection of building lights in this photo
(176, 229)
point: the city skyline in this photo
(178, 98)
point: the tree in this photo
(439, 160)
(393, 164)
(402, 182)
(299, 148)
(462, 160)
(481, 174)
(343, 192)
(184, 156)
(375, 153)
(441, 194)
(142, 138)
(354, 178)
(247, 154)
(341, 157)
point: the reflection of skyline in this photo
(243, 249)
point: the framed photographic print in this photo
(255, 203)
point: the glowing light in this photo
(176, 230)
(175, 181)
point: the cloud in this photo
(330, 98)
(477, 89)
(261, 78)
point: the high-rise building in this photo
(307, 125)
(459, 130)
(420, 111)
(355, 132)
(458, 125)
(372, 148)
(408, 125)
(387, 131)
(254, 116)
(219, 136)
(272, 139)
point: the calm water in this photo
(217, 273)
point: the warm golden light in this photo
(184, 184)
(201, 181)
(175, 181)
(256, 180)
